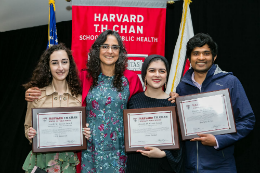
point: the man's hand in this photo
(153, 153)
(206, 139)
(32, 93)
(173, 97)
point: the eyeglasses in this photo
(107, 47)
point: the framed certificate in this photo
(209, 112)
(58, 129)
(150, 127)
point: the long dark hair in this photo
(93, 65)
(41, 75)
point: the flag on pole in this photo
(52, 32)
(179, 62)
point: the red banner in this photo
(141, 29)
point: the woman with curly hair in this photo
(57, 77)
(107, 86)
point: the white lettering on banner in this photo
(132, 29)
(112, 17)
(121, 28)
(132, 18)
(125, 17)
(119, 19)
(147, 39)
(103, 28)
(140, 30)
(124, 38)
(105, 18)
(88, 37)
(96, 27)
(135, 65)
(96, 17)
(130, 38)
(140, 18)
(114, 28)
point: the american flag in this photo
(52, 32)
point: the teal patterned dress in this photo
(105, 107)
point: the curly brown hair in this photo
(93, 64)
(41, 75)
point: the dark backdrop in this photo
(233, 24)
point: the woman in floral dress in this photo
(107, 86)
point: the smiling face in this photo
(59, 65)
(156, 75)
(201, 59)
(108, 57)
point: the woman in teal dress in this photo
(111, 86)
(105, 117)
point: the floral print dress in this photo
(63, 162)
(105, 152)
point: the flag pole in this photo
(179, 58)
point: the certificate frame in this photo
(229, 113)
(174, 126)
(35, 111)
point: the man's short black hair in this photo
(200, 40)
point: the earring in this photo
(145, 82)
(165, 85)
(50, 75)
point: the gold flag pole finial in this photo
(53, 3)
(170, 2)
